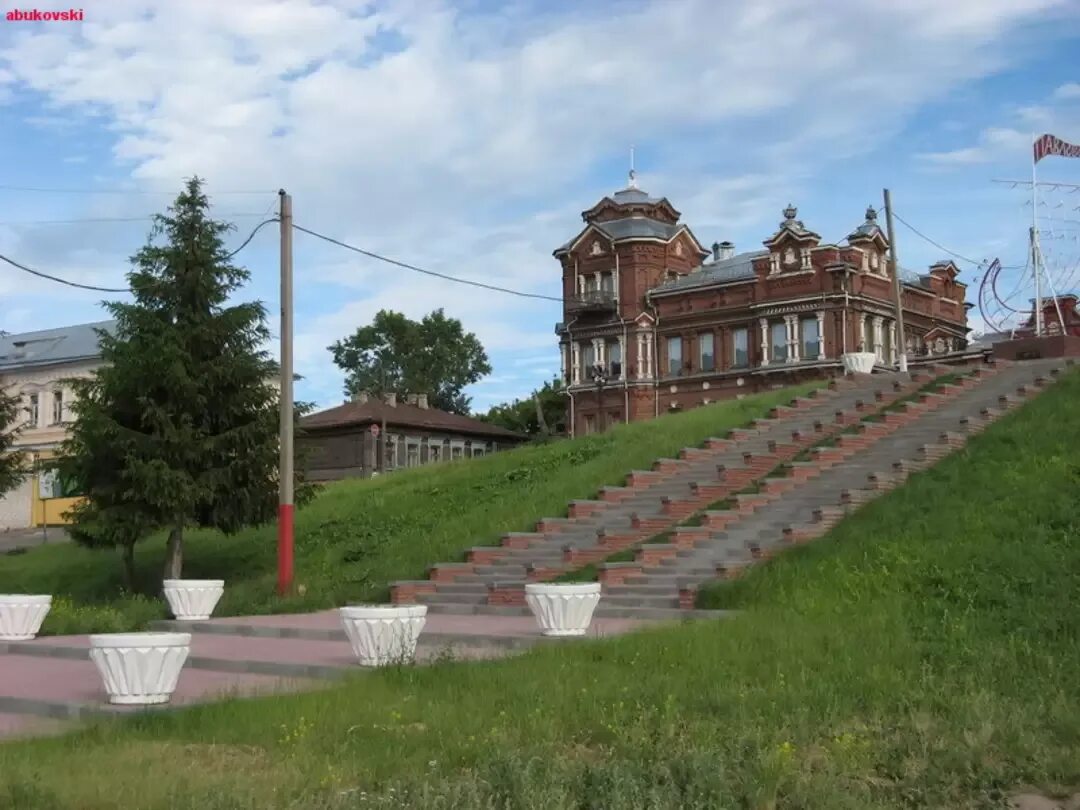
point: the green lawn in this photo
(924, 654)
(358, 536)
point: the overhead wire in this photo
(96, 288)
(938, 245)
(79, 221)
(59, 280)
(40, 190)
(413, 267)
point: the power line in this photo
(40, 190)
(113, 219)
(938, 245)
(95, 288)
(59, 280)
(413, 267)
(251, 236)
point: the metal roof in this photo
(65, 344)
(630, 228)
(374, 411)
(634, 195)
(738, 268)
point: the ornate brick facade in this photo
(671, 325)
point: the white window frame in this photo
(58, 407)
(410, 443)
(33, 410)
(803, 345)
(674, 340)
(701, 350)
(774, 346)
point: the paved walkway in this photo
(51, 679)
(18, 539)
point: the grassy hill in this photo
(924, 654)
(358, 536)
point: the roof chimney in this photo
(725, 250)
(716, 251)
(360, 397)
(421, 400)
(390, 399)
(410, 399)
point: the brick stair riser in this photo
(826, 518)
(688, 536)
(521, 541)
(666, 467)
(449, 573)
(749, 506)
(652, 525)
(407, 594)
(829, 516)
(617, 576)
(667, 472)
(580, 509)
(508, 596)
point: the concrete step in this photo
(650, 589)
(439, 598)
(628, 600)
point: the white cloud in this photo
(992, 143)
(469, 148)
(1070, 90)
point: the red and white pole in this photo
(285, 463)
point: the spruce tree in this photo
(179, 426)
(12, 462)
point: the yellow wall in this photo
(50, 512)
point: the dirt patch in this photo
(1039, 801)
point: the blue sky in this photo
(468, 137)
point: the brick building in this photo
(673, 325)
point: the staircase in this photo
(666, 576)
(661, 582)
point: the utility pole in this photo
(285, 463)
(894, 267)
(1035, 244)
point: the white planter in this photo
(140, 668)
(193, 600)
(859, 362)
(562, 610)
(21, 615)
(383, 634)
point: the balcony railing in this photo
(592, 301)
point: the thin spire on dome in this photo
(633, 174)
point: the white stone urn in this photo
(562, 610)
(859, 362)
(140, 669)
(193, 600)
(21, 615)
(383, 634)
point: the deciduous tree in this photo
(541, 415)
(394, 354)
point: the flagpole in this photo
(1035, 243)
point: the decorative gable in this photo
(870, 240)
(790, 246)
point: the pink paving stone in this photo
(60, 680)
(437, 623)
(13, 726)
(242, 648)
